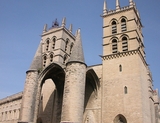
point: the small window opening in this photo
(47, 45)
(53, 43)
(51, 57)
(124, 44)
(44, 61)
(123, 25)
(114, 46)
(125, 90)
(71, 48)
(65, 58)
(120, 68)
(66, 45)
(114, 27)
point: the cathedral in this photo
(61, 88)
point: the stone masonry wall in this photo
(10, 108)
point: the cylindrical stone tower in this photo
(74, 88)
(31, 88)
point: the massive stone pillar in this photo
(29, 96)
(28, 107)
(74, 88)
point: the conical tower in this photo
(74, 88)
(31, 88)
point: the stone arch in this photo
(110, 23)
(122, 17)
(120, 119)
(91, 89)
(52, 111)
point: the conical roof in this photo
(77, 53)
(37, 60)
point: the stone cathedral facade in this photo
(61, 88)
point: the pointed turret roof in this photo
(117, 4)
(64, 22)
(70, 28)
(77, 53)
(104, 7)
(37, 60)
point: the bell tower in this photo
(125, 92)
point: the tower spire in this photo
(117, 5)
(64, 22)
(37, 60)
(45, 28)
(77, 53)
(70, 28)
(105, 7)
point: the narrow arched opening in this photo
(51, 95)
(120, 119)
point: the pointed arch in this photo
(124, 43)
(51, 55)
(123, 21)
(120, 119)
(114, 27)
(114, 46)
(55, 73)
(71, 47)
(53, 43)
(47, 44)
(66, 45)
(91, 88)
(44, 60)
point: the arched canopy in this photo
(92, 78)
(56, 73)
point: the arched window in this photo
(114, 27)
(51, 57)
(65, 58)
(123, 25)
(125, 90)
(120, 119)
(114, 46)
(44, 60)
(53, 42)
(71, 47)
(47, 44)
(124, 44)
(120, 68)
(66, 44)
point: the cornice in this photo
(124, 54)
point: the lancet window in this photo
(114, 46)
(124, 44)
(44, 60)
(123, 25)
(66, 45)
(47, 44)
(51, 57)
(53, 42)
(114, 27)
(71, 47)
(125, 90)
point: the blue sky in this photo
(22, 21)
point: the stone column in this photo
(29, 97)
(74, 91)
